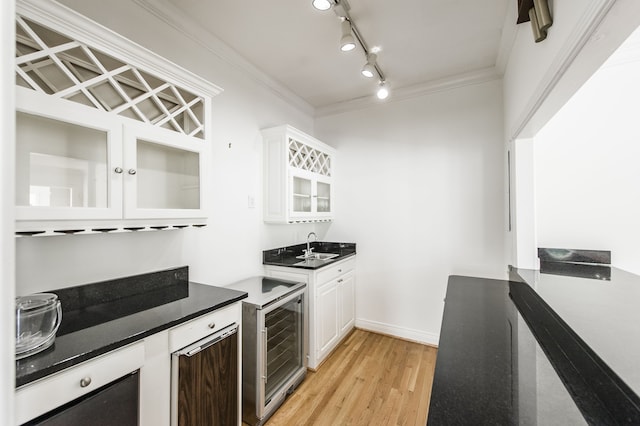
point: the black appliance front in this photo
(115, 403)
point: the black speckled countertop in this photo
(517, 352)
(287, 256)
(100, 317)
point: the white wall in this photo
(587, 174)
(420, 189)
(230, 247)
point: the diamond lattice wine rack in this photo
(304, 157)
(51, 63)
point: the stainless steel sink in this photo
(318, 256)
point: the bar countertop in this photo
(538, 349)
(100, 317)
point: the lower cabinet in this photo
(206, 369)
(347, 297)
(331, 304)
(85, 390)
(213, 373)
(327, 318)
(210, 374)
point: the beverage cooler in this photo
(274, 344)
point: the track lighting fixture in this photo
(347, 42)
(369, 68)
(383, 90)
(349, 36)
(321, 4)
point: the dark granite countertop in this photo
(287, 256)
(599, 303)
(100, 317)
(507, 357)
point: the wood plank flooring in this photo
(370, 379)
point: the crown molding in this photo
(175, 18)
(449, 83)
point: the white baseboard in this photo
(400, 332)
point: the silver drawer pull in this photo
(339, 270)
(132, 171)
(118, 170)
(212, 325)
(86, 381)
(340, 280)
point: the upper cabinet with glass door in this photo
(298, 177)
(105, 130)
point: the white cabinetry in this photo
(151, 356)
(74, 163)
(347, 297)
(108, 134)
(169, 174)
(37, 398)
(331, 304)
(298, 176)
(327, 327)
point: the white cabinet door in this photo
(323, 197)
(163, 174)
(68, 160)
(301, 204)
(326, 318)
(347, 296)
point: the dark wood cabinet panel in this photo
(208, 387)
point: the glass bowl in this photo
(38, 317)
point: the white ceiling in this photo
(296, 45)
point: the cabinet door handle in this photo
(264, 351)
(212, 325)
(132, 171)
(118, 170)
(339, 270)
(340, 280)
(85, 381)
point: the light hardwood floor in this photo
(370, 379)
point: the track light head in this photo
(383, 90)
(347, 42)
(369, 69)
(321, 4)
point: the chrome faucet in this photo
(309, 248)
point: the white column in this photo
(7, 183)
(523, 206)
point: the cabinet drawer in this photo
(201, 327)
(290, 276)
(37, 398)
(328, 273)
